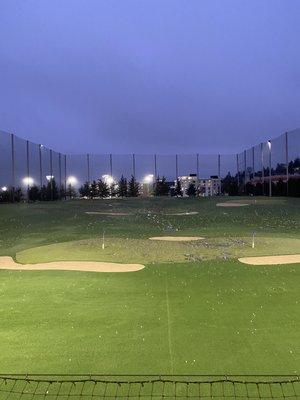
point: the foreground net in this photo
(38, 387)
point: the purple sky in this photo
(162, 76)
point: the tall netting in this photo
(145, 165)
(228, 165)
(5, 160)
(78, 169)
(123, 164)
(34, 163)
(278, 156)
(271, 167)
(293, 141)
(149, 387)
(167, 166)
(188, 164)
(21, 171)
(46, 164)
(208, 165)
(100, 165)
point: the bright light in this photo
(41, 146)
(269, 144)
(4, 189)
(72, 180)
(49, 177)
(148, 178)
(108, 179)
(28, 181)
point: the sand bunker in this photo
(92, 266)
(107, 213)
(271, 260)
(176, 238)
(231, 204)
(184, 213)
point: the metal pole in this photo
(245, 169)
(270, 168)
(65, 182)
(238, 172)
(133, 165)
(176, 165)
(51, 175)
(13, 172)
(197, 162)
(155, 167)
(110, 164)
(253, 166)
(262, 168)
(88, 168)
(60, 182)
(219, 172)
(41, 167)
(27, 163)
(287, 162)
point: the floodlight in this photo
(108, 179)
(4, 189)
(269, 144)
(49, 177)
(28, 180)
(148, 178)
(72, 180)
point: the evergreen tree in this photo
(71, 192)
(94, 190)
(85, 190)
(34, 193)
(133, 187)
(103, 189)
(161, 187)
(123, 188)
(178, 188)
(191, 190)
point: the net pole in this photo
(176, 165)
(270, 167)
(13, 172)
(238, 173)
(51, 174)
(287, 161)
(65, 183)
(245, 169)
(253, 166)
(262, 168)
(219, 172)
(88, 169)
(111, 164)
(60, 175)
(133, 165)
(197, 162)
(27, 166)
(40, 165)
(155, 167)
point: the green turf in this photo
(193, 309)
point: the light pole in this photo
(270, 167)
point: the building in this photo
(205, 186)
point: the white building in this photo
(205, 186)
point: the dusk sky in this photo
(147, 76)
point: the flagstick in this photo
(103, 245)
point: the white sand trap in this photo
(184, 213)
(232, 204)
(176, 238)
(112, 214)
(271, 260)
(92, 266)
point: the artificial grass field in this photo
(194, 309)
